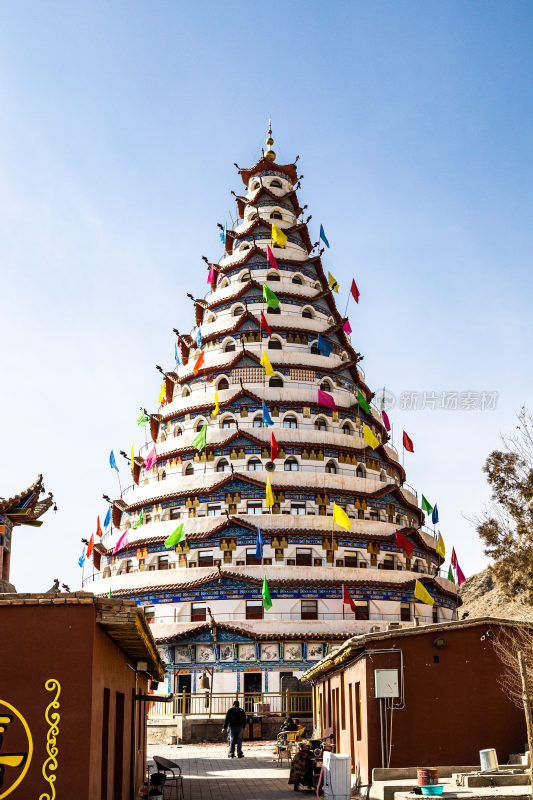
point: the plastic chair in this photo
(172, 772)
(285, 743)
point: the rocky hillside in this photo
(483, 597)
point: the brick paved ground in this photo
(208, 773)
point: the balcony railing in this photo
(215, 704)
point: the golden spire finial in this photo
(270, 154)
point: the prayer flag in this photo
(441, 550)
(361, 399)
(460, 575)
(324, 346)
(198, 337)
(211, 275)
(267, 419)
(341, 517)
(385, 418)
(405, 543)
(325, 399)
(347, 600)
(371, 440)
(151, 459)
(132, 458)
(323, 236)
(268, 494)
(90, 547)
(450, 574)
(271, 299)
(333, 283)
(107, 519)
(421, 593)
(259, 544)
(215, 411)
(435, 515)
(426, 505)
(265, 363)
(176, 355)
(347, 328)
(112, 462)
(273, 447)
(454, 558)
(271, 259)
(81, 559)
(223, 235)
(267, 602)
(278, 236)
(264, 324)
(175, 537)
(109, 593)
(199, 364)
(98, 528)
(122, 542)
(142, 419)
(200, 440)
(139, 521)
(355, 291)
(162, 392)
(407, 443)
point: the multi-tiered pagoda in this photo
(206, 590)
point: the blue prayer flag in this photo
(435, 515)
(323, 236)
(176, 354)
(112, 462)
(81, 559)
(324, 346)
(107, 519)
(199, 337)
(267, 420)
(259, 545)
(223, 235)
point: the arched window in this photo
(244, 246)
(321, 424)
(331, 467)
(273, 276)
(253, 216)
(245, 276)
(178, 430)
(290, 422)
(258, 422)
(344, 355)
(254, 464)
(326, 385)
(318, 286)
(255, 185)
(210, 318)
(229, 347)
(274, 344)
(276, 184)
(297, 279)
(383, 476)
(308, 313)
(222, 384)
(189, 469)
(273, 310)
(185, 392)
(347, 429)
(275, 381)
(360, 472)
(223, 283)
(200, 424)
(314, 349)
(237, 311)
(276, 215)
(223, 465)
(290, 465)
(228, 422)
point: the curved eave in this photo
(300, 228)
(265, 164)
(291, 195)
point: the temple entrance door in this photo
(252, 690)
(184, 685)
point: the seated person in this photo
(288, 725)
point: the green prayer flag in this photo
(267, 602)
(450, 574)
(270, 297)
(139, 521)
(426, 505)
(142, 419)
(109, 595)
(200, 439)
(176, 537)
(362, 401)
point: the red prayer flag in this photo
(347, 328)
(460, 575)
(325, 399)
(347, 600)
(211, 276)
(407, 443)
(403, 542)
(273, 447)
(90, 547)
(264, 324)
(454, 559)
(271, 259)
(198, 364)
(98, 528)
(355, 291)
(385, 418)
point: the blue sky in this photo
(121, 123)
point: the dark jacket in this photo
(235, 718)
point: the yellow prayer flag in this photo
(333, 283)
(269, 494)
(441, 550)
(265, 363)
(217, 407)
(132, 458)
(162, 392)
(341, 517)
(278, 236)
(371, 440)
(421, 593)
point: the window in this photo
(321, 424)
(200, 425)
(185, 392)
(175, 513)
(315, 349)
(307, 313)
(290, 465)
(405, 612)
(258, 422)
(273, 310)
(297, 280)
(230, 347)
(309, 609)
(331, 468)
(189, 469)
(276, 215)
(298, 508)
(274, 344)
(205, 558)
(237, 311)
(223, 465)
(383, 476)
(360, 472)
(228, 422)
(290, 422)
(275, 381)
(177, 431)
(326, 386)
(163, 562)
(255, 507)
(362, 610)
(350, 558)
(222, 384)
(254, 464)
(304, 557)
(347, 429)
(389, 562)
(435, 614)
(254, 609)
(213, 510)
(198, 613)
(276, 184)
(129, 565)
(255, 185)
(251, 557)
(273, 276)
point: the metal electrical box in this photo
(386, 683)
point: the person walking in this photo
(235, 721)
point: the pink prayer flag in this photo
(122, 542)
(271, 259)
(385, 418)
(151, 459)
(325, 399)
(347, 327)
(211, 277)
(460, 575)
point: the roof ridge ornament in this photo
(270, 154)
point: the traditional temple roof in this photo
(263, 629)
(265, 165)
(25, 508)
(291, 195)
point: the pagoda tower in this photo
(206, 589)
